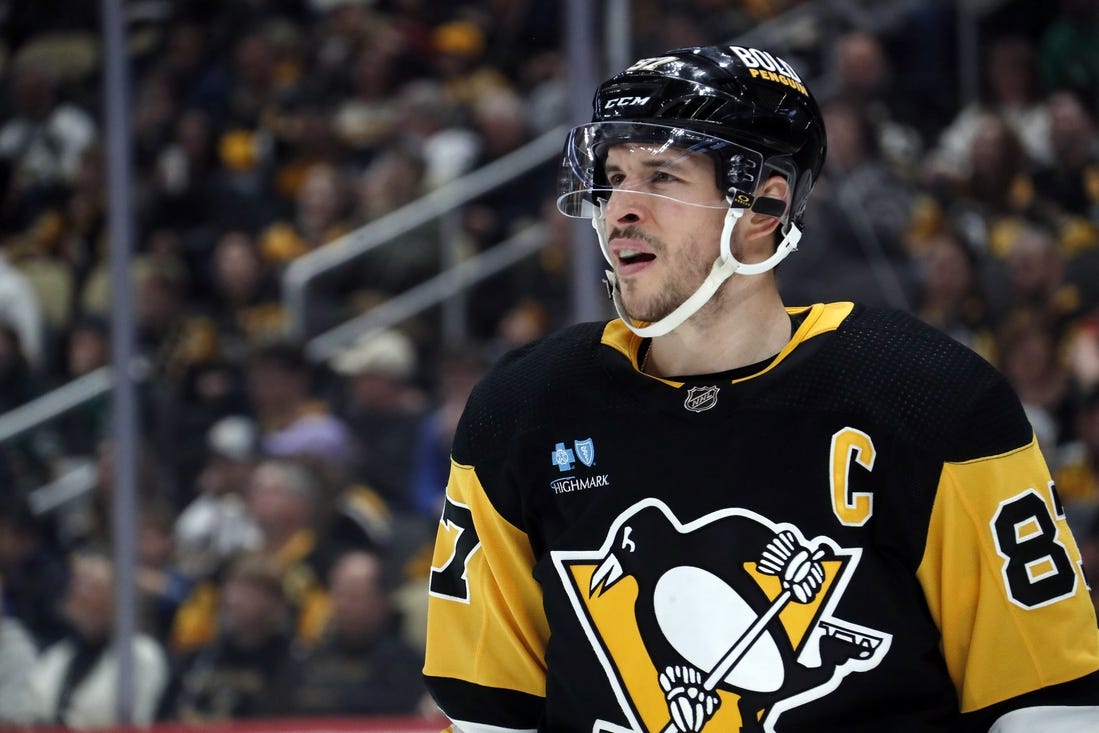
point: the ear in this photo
(764, 218)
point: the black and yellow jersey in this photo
(860, 535)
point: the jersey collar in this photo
(815, 320)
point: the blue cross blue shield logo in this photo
(562, 457)
(585, 451)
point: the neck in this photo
(729, 333)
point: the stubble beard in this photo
(679, 285)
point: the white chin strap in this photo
(723, 268)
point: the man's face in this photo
(359, 606)
(272, 502)
(89, 602)
(663, 221)
(249, 606)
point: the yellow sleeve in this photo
(485, 622)
(1002, 576)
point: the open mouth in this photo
(632, 257)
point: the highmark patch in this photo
(569, 484)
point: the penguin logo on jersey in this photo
(719, 624)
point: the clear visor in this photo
(604, 158)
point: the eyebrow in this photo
(677, 162)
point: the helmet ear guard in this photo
(769, 206)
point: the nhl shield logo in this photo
(700, 399)
(585, 451)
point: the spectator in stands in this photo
(161, 582)
(244, 186)
(1067, 186)
(307, 515)
(21, 462)
(533, 297)
(995, 188)
(1078, 474)
(286, 498)
(429, 122)
(38, 252)
(952, 297)
(44, 136)
(255, 81)
(1081, 347)
(216, 525)
(180, 195)
(501, 122)
(18, 382)
(86, 523)
(86, 348)
(1030, 360)
(194, 72)
(233, 676)
(162, 324)
(457, 374)
(363, 119)
(394, 178)
(1013, 92)
(547, 101)
(84, 243)
(245, 306)
(33, 571)
(203, 385)
(292, 420)
(17, 655)
(383, 408)
(1037, 275)
(304, 142)
(21, 310)
(361, 665)
(321, 208)
(856, 250)
(459, 62)
(75, 680)
(155, 113)
(866, 82)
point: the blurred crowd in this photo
(286, 506)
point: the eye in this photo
(627, 543)
(615, 179)
(663, 177)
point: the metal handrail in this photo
(301, 271)
(69, 486)
(430, 292)
(66, 397)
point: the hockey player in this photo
(719, 513)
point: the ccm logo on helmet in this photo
(625, 102)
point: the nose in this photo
(625, 206)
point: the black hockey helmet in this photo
(746, 107)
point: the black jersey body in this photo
(859, 535)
